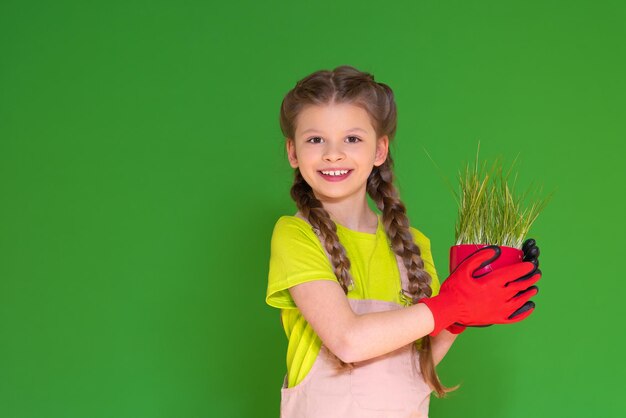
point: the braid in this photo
(312, 209)
(380, 187)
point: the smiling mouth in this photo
(335, 172)
(335, 175)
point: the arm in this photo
(353, 337)
(441, 344)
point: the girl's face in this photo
(332, 138)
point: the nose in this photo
(333, 153)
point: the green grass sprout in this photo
(489, 210)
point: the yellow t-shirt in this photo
(297, 256)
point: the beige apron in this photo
(387, 386)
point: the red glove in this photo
(456, 328)
(531, 253)
(483, 300)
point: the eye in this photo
(355, 137)
(311, 140)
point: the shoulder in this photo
(293, 226)
(292, 230)
(291, 220)
(296, 256)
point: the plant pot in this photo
(508, 256)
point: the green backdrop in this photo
(142, 170)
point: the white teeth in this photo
(335, 173)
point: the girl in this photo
(360, 300)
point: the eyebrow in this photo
(349, 130)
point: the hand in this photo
(483, 300)
(531, 253)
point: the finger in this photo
(523, 297)
(528, 306)
(519, 284)
(534, 260)
(530, 242)
(533, 289)
(533, 252)
(479, 259)
(522, 313)
(528, 275)
(513, 272)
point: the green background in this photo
(142, 169)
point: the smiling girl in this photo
(361, 305)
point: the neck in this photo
(353, 213)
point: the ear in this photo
(382, 149)
(291, 153)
